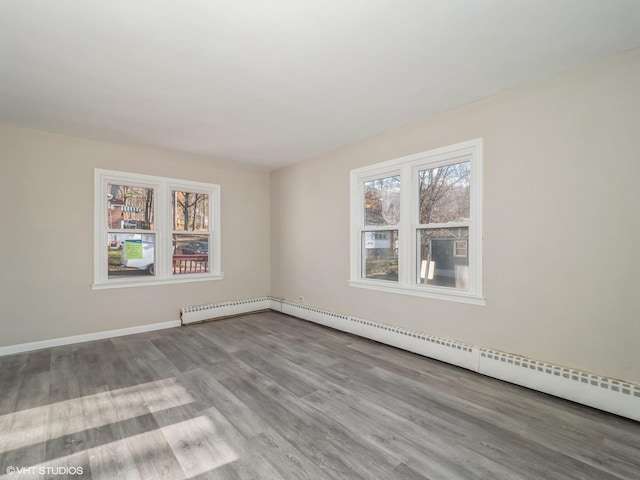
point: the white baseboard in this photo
(57, 342)
(212, 311)
(614, 396)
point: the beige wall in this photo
(561, 223)
(46, 244)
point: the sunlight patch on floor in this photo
(39, 424)
(198, 445)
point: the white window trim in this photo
(408, 168)
(163, 229)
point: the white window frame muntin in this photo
(376, 174)
(163, 228)
(213, 191)
(408, 227)
(214, 223)
(102, 178)
(430, 162)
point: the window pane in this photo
(129, 207)
(382, 201)
(380, 255)
(190, 253)
(443, 258)
(130, 255)
(444, 193)
(191, 211)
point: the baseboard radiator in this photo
(212, 311)
(607, 394)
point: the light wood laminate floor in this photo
(268, 396)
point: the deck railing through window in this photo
(190, 264)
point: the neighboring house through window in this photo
(416, 224)
(151, 230)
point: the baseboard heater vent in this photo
(200, 313)
(611, 395)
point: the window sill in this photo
(439, 294)
(147, 283)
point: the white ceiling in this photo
(273, 82)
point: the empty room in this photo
(357, 239)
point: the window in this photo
(416, 226)
(460, 248)
(151, 230)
